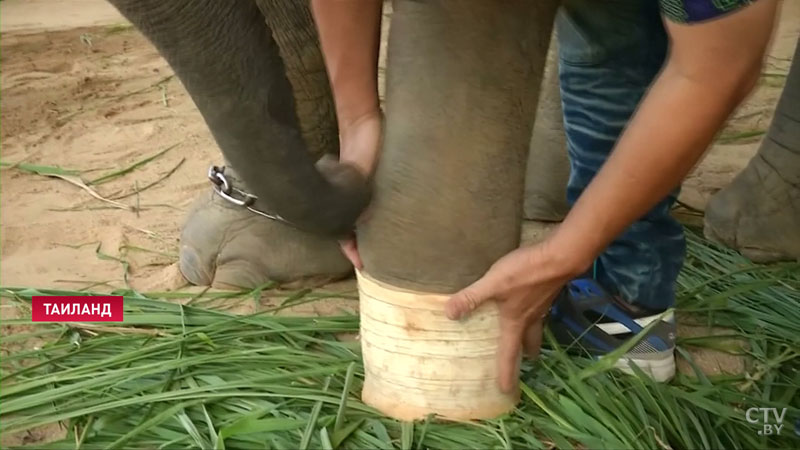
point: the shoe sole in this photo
(660, 367)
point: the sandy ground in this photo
(37, 15)
(97, 99)
(84, 91)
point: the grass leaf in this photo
(189, 375)
(118, 173)
(47, 171)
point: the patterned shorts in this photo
(692, 11)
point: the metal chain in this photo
(224, 189)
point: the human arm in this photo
(349, 32)
(711, 68)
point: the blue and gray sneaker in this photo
(584, 316)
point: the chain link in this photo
(224, 189)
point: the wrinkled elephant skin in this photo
(548, 165)
(229, 247)
(759, 212)
(455, 177)
(227, 58)
(461, 93)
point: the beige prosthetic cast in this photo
(417, 361)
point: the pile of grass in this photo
(177, 376)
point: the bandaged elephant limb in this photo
(448, 196)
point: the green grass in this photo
(37, 169)
(121, 172)
(202, 378)
(740, 137)
(118, 28)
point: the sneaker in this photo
(585, 317)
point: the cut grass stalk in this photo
(36, 169)
(118, 173)
(76, 181)
(737, 137)
(139, 190)
(348, 381)
(116, 99)
(312, 421)
(106, 257)
(275, 381)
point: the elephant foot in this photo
(758, 214)
(229, 247)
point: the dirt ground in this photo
(83, 91)
(98, 99)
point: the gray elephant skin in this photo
(450, 191)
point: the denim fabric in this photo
(610, 51)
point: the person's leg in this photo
(610, 52)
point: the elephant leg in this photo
(548, 166)
(227, 59)
(759, 212)
(295, 33)
(230, 247)
(462, 85)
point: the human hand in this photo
(360, 142)
(524, 284)
(349, 248)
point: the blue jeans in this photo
(610, 51)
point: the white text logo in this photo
(770, 420)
